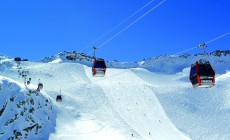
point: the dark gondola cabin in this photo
(17, 59)
(99, 67)
(59, 98)
(202, 74)
(40, 86)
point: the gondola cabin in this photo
(59, 98)
(40, 86)
(202, 74)
(28, 82)
(99, 67)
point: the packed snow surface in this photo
(125, 104)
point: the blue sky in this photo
(34, 29)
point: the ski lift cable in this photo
(131, 24)
(102, 36)
(104, 43)
(217, 38)
(109, 31)
(122, 22)
(125, 71)
(185, 50)
(210, 41)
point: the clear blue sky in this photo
(34, 29)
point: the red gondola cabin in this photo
(99, 67)
(202, 74)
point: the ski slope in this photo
(133, 103)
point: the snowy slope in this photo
(130, 103)
(137, 104)
(200, 113)
(24, 113)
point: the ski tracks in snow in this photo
(135, 102)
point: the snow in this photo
(21, 110)
(152, 99)
(57, 61)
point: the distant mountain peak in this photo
(220, 53)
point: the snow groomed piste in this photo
(124, 104)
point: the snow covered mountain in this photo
(61, 57)
(147, 100)
(167, 64)
(24, 113)
(174, 64)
